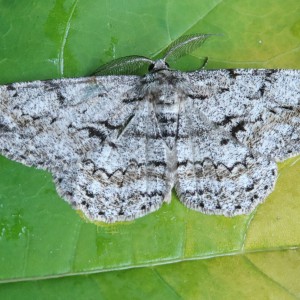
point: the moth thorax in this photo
(167, 110)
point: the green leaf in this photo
(180, 253)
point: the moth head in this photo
(158, 65)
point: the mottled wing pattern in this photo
(43, 122)
(77, 130)
(116, 145)
(215, 173)
(260, 108)
(235, 124)
(128, 176)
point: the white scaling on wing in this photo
(117, 145)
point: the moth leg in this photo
(204, 63)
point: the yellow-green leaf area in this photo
(276, 223)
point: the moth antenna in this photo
(185, 45)
(126, 65)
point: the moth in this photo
(116, 145)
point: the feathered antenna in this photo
(128, 65)
(185, 45)
(124, 65)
